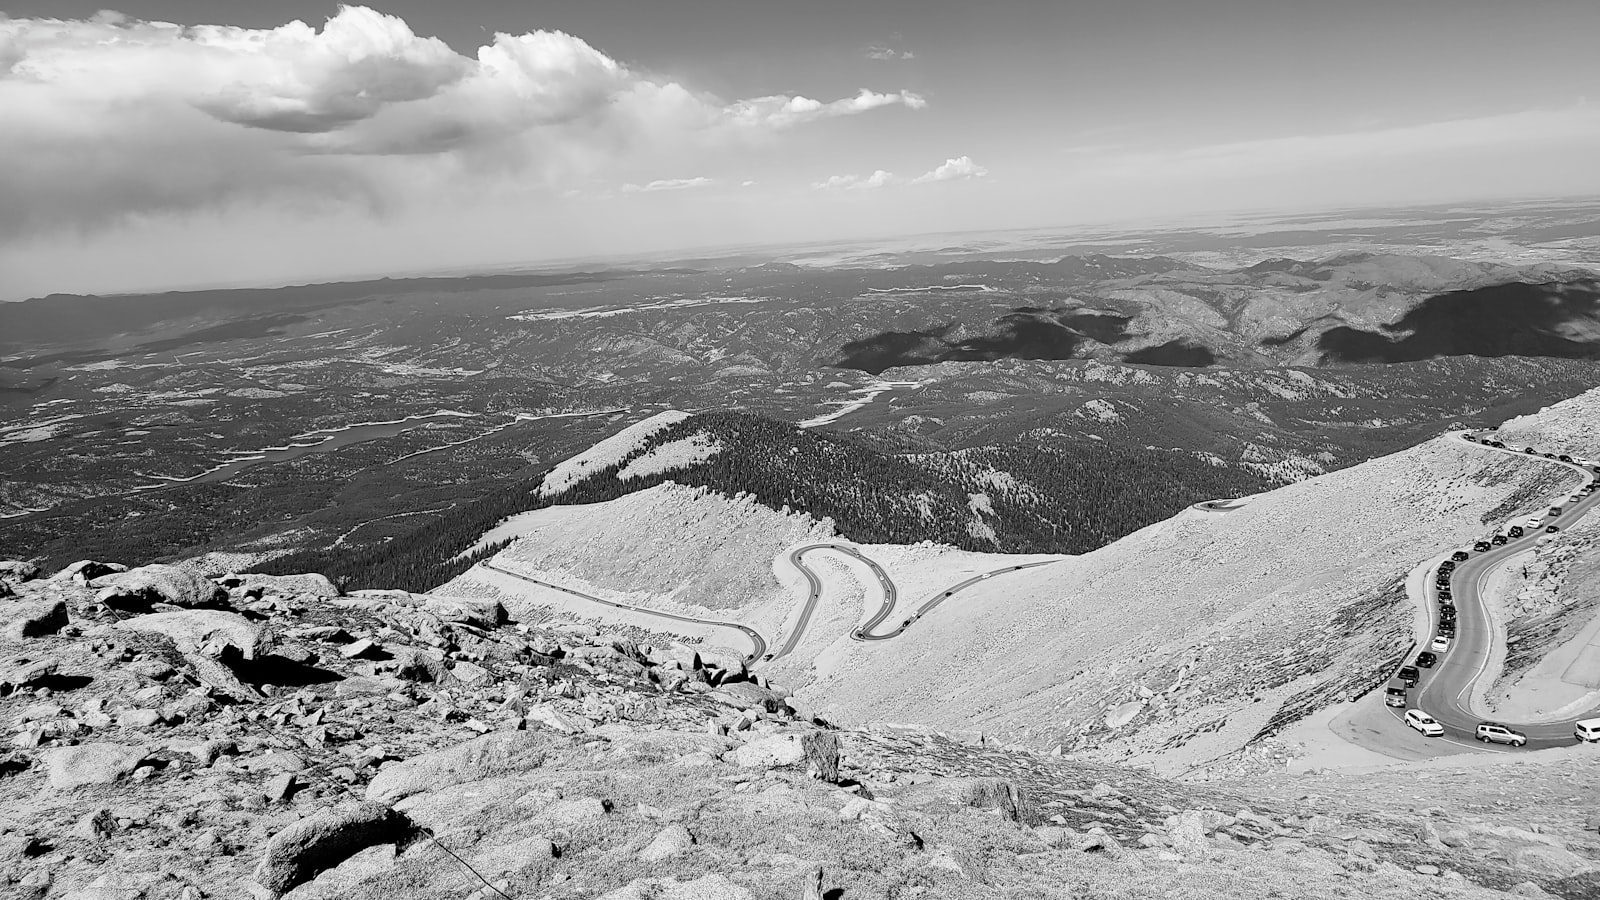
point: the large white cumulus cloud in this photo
(108, 119)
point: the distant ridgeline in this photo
(1014, 497)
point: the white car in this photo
(1489, 732)
(1587, 730)
(1424, 723)
(1441, 644)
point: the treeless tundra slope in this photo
(1184, 640)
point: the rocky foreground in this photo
(177, 736)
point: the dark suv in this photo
(1425, 659)
(1409, 675)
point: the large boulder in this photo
(87, 570)
(744, 695)
(413, 664)
(324, 839)
(23, 619)
(470, 800)
(496, 753)
(73, 767)
(949, 795)
(513, 858)
(818, 751)
(1547, 860)
(15, 571)
(1190, 831)
(777, 751)
(478, 613)
(673, 840)
(208, 631)
(157, 583)
(311, 585)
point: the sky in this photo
(180, 143)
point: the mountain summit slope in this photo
(289, 741)
(1185, 639)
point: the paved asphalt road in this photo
(1445, 691)
(759, 642)
(891, 594)
(1221, 505)
(814, 586)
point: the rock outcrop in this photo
(157, 584)
(387, 746)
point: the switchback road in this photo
(1446, 691)
(891, 594)
(758, 643)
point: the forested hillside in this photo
(1025, 496)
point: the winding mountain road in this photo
(891, 594)
(758, 642)
(1446, 691)
(759, 653)
(1221, 506)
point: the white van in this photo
(1587, 730)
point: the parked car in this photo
(1552, 529)
(1447, 628)
(1426, 659)
(1564, 458)
(1447, 612)
(1441, 643)
(1410, 675)
(1530, 451)
(1461, 556)
(1482, 546)
(1587, 730)
(1498, 540)
(1424, 723)
(1491, 732)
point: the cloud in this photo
(876, 180)
(109, 119)
(782, 111)
(667, 184)
(955, 169)
(958, 168)
(885, 52)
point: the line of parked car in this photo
(1395, 695)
